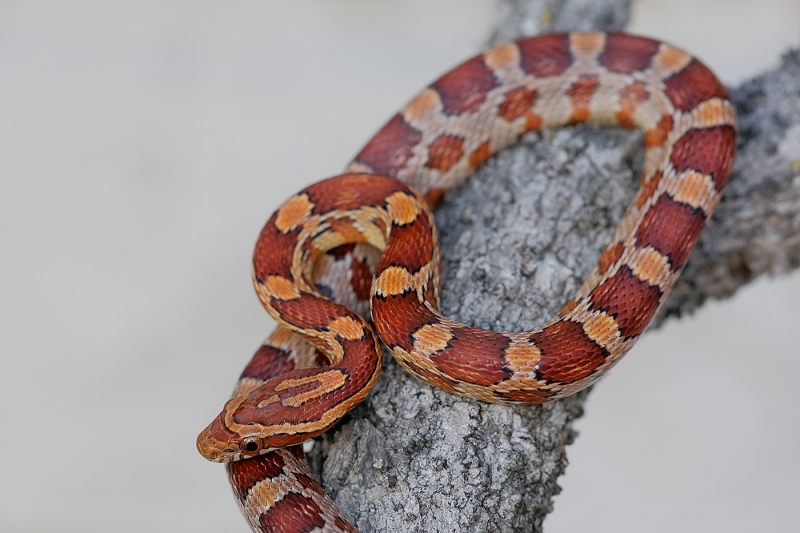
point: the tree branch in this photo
(518, 239)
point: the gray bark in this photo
(518, 239)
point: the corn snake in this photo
(439, 138)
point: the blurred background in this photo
(142, 146)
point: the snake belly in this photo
(319, 248)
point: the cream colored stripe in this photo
(347, 328)
(431, 339)
(669, 60)
(393, 280)
(714, 112)
(601, 328)
(694, 189)
(293, 212)
(503, 57)
(522, 356)
(280, 288)
(427, 105)
(324, 382)
(587, 43)
(403, 208)
(649, 265)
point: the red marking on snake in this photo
(273, 253)
(294, 511)
(398, 317)
(267, 361)
(362, 279)
(353, 190)
(391, 148)
(581, 93)
(672, 228)
(626, 54)
(469, 113)
(567, 353)
(471, 356)
(473, 74)
(709, 151)
(629, 98)
(444, 152)
(517, 103)
(413, 246)
(692, 85)
(546, 56)
(631, 301)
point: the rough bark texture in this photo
(518, 239)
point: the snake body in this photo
(325, 358)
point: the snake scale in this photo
(368, 238)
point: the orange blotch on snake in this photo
(293, 212)
(650, 266)
(347, 328)
(393, 280)
(432, 338)
(281, 288)
(588, 42)
(601, 328)
(610, 256)
(403, 207)
(522, 357)
(657, 136)
(480, 155)
(694, 189)
(671, 58)
(434, 197)
(502, 57)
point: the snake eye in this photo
(251, 444)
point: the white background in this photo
(142, 146)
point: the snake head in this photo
(224, 440)
(282, 412)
